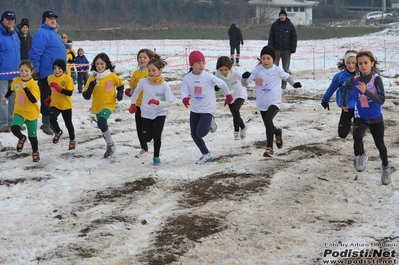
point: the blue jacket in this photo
(10, 55)
(81, 60)
(47, 47)
(338, 83)
(283, 36)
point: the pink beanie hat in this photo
(195, 57)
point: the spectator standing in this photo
(82, 67)
(25, 38)
(10, 57)
(283, 39)
(235, 36)
(46, 48)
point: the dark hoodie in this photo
(235, 36)
(26, 43)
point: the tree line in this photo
(95, 14)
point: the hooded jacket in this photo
(283, 36)
(10, 55)
(47, 46)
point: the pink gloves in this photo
(56, 86)
(128, 92)
(186, 101)
(47, 101)
(228, 100)
(132, 109)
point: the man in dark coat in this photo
(283, 39)
(25, 38)
(235, 36)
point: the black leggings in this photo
(344, 126)
(67, 116)
(235, 111)
(267, 117)
(377, 131)
(139, 129)
(152, 129)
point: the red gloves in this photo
(55, 86)
(128, 92)
(153, 101)
(47, 101)
(132, 109)
(186, 101)
(228, 100)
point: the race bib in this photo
(109, 86)
(197, 90)
(364, 101)
(259, 81)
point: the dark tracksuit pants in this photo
(235, 111)
(152, 130)
(285, 56)
(67, 116)
(377, 131)
(199, 128)
(267, 117)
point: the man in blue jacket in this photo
(283, 39)
(47, 47)
(10, 58)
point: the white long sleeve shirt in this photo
(268, 87)
(233, 81)
(201, 89)
(161, 92)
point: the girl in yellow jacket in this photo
(60, 101)
(26, 109)
(106, 87)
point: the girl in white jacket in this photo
(157, 98)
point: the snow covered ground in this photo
(306, 205)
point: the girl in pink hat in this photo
(198, 92)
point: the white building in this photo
(299, 11)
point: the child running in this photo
(156, 99)
(368, 111)
(232, 77)
(60, 101)
(102, 86)
(267, 78)
(26, 109)
(143, 57)
(198, 90)
(348, 69)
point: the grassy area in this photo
(216, 33)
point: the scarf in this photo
(101, 75)
(229, 74)
(158, 80)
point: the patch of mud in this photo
(231, 186)
(128, 189)
(180, 233)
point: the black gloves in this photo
(217, 88)
(119, 94)
(89, 91)
(246, 75)
(297, 85)
(92, 84)
(325, 105)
